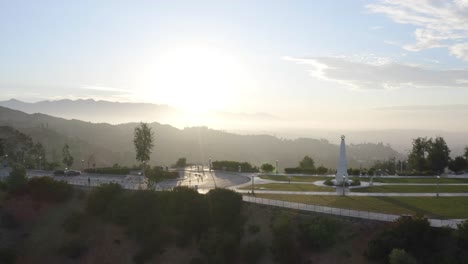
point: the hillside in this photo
(113, 143)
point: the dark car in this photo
(59, 173)
(73, 173)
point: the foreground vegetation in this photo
(45, 221)
(441, 207)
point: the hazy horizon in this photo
(365, 65)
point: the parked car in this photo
(67, 173)
(73, 173)
(59, 173)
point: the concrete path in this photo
(338, 193)
(339, 190)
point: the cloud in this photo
(104, 88)
(376, 28)
(419, 108)
(380, 73)
(460, 51)
(440, 23)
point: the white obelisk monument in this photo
(342, 171)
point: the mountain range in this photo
(109, 144)
(119, 112)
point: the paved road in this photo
(206, 180)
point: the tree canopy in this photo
(307, 163)
(67, 157)
(267, 167)
(429, 154)
(143, 141)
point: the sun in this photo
(197, 78)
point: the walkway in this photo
(338, 192)
(452, 223)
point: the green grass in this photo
(293, 187)
(376, 179)
(413, 189)
(294, 178)
(441, 207)
(418, 180)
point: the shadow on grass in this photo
(412, 208)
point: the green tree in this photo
(66, 155)
(466, 153)
(181, 162)
(38, 155)
(17, 178)
(143, 141)
(399, 256)
(321, 170)
(458, 164)
(307, 163)
(438, 155)
(417, 156)
(267, 167)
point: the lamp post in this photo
(209, 163)
(438, 180)
(277, 169)
(40, 162)
(82, 164)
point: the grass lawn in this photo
(294, 187)
(413, 189)
(417, 180)
(294, 178)
(441, 207)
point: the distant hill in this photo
(110, 144)
(118, 113)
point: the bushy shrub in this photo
(253, 229)
(328, 182)
(416, 237)
(100, 198)
(3, 185)
(283, 246)
(219, 247)
(225, 209)
(48, 189)
(8, 221)
(233, 166)
(196, 260)
(356, 182)
(318, 233)
(299, 170)
(399, 256)
(73, 249)
(157, 174)
(73, 222)
(253, 251)
(7, 256)
(17, 178)
(109, 170)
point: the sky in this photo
(325, 64)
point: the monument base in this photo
(340, 183)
